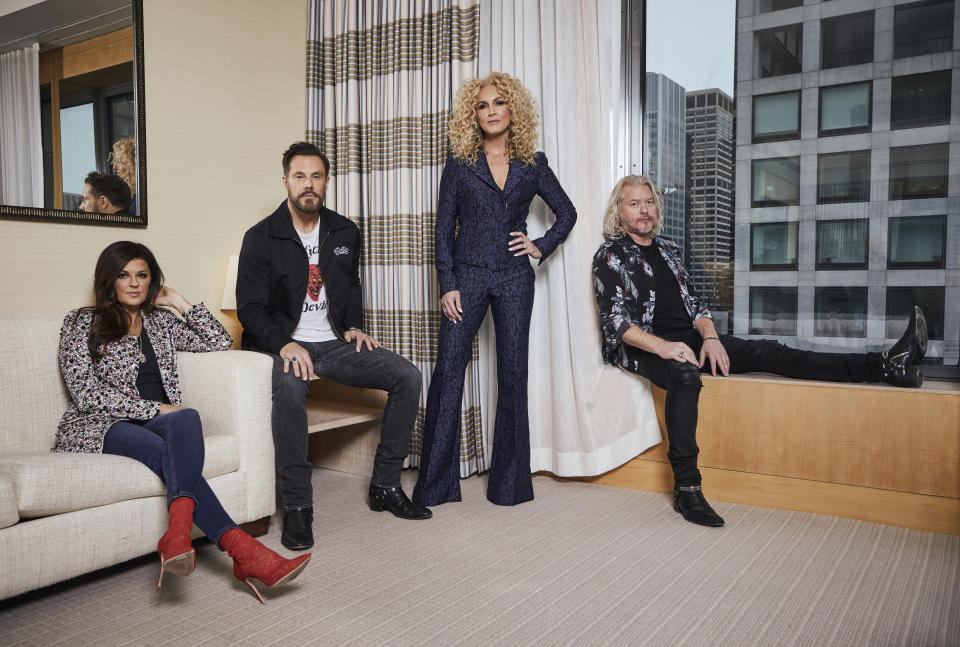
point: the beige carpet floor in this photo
(581, 565)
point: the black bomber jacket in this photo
(272, 278)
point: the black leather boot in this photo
(689, 501)
(297, 528)
(395, 500)
(899, 362)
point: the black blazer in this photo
(470, 196)
(272, 278)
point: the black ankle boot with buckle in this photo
(395, 500)
(899, 362)
(689, 501)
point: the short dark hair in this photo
(110, 186)
(304, 148)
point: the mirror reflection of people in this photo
(104, 193)
(486, 188)
(124, 164)
(118, 359)
(655, 326)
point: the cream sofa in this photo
(62, 515)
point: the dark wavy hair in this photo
(110, 320)
(307, 149)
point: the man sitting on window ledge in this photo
(655, 326)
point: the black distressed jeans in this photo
(681, 381)
(374, 369)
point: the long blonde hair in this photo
(123, 152)
(466, 138)
(612, 225)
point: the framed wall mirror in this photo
(72, 112)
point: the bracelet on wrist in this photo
(706, 338)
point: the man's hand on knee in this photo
(354, 335)
(296, 357)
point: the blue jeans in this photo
(172, 446)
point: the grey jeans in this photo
(375, 369)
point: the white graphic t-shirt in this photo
(314, 320)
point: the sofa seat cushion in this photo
(48, 483)
(8, 503)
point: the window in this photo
(842, 244)
(776, 182)
(779, 51)
(840, 312)
(773, 246)
(921, 100)
(922, 28)
(773, 311)
(846, 40)
(845, 109)
(776, 116)
(78, 151)
(901, 300)
(916, 242)
(918, 171)
(843, 177)
(765, 6)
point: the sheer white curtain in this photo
(21, 148)
(585, 417)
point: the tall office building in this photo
(709, 188)
(664, 149)
(848, 172)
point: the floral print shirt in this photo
(105, 392)
(624, 286)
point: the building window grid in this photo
(921, 100)
(861, 115)
(922, 28)
(906, 247)
(840, 312)
(846, 40)
(842, 244)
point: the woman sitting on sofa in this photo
(118, 360)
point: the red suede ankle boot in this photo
(252, 560)
(177, 555)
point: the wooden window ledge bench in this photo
(862, 451)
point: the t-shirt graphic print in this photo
(314, 322)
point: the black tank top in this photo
(149, 383)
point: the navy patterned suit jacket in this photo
(469, 195)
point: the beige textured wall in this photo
(225, 95)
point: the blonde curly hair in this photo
(612, 225)
(121, 158)
(466, 138)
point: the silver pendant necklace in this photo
(140, 355)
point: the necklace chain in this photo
(140, 355)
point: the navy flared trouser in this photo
(510, 296)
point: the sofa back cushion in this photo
(33, 396)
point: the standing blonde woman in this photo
(486, 188)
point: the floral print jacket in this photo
(105, 392)
(624, 287)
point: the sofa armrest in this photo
(232, 392)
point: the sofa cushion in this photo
(34, 395)
(48, 483)
(8, 503)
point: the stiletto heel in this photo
(176, 541)
(254, 561)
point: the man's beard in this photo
(303, 206)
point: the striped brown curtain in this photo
(380, 81)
